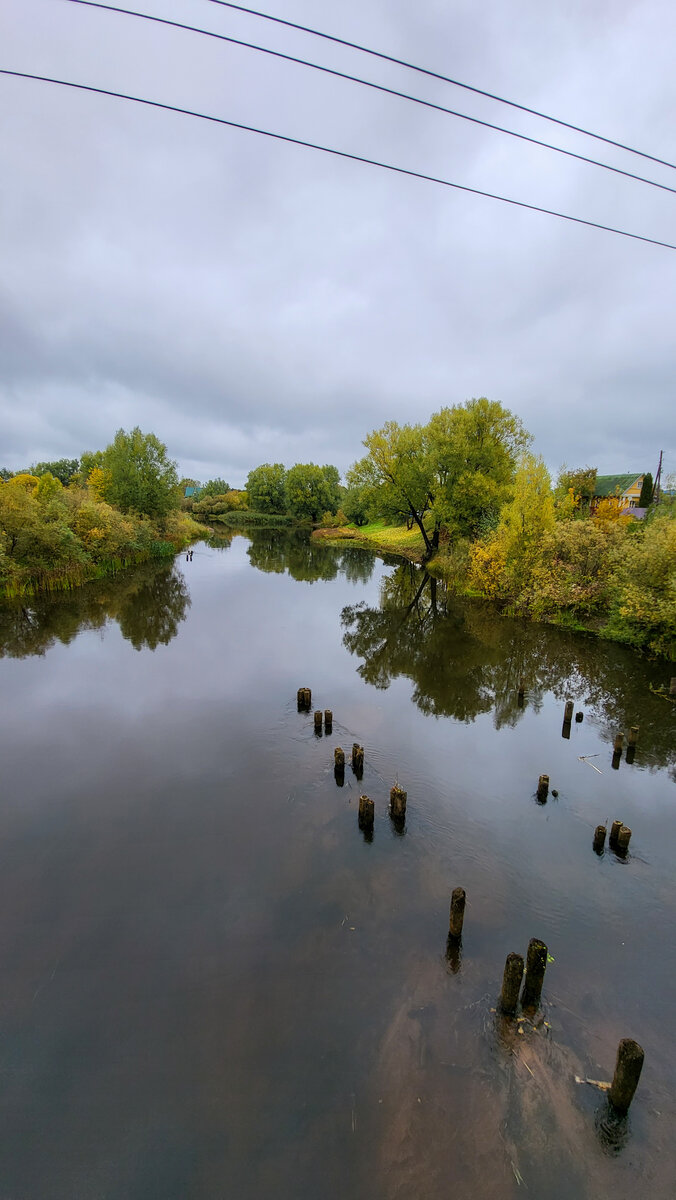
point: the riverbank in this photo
(621, 619)
(57, 551)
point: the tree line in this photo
(71, 520)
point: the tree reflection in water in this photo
(148, 603)
(464, 660)
(292, 552)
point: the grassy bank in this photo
(378, 536)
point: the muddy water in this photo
(214, 985)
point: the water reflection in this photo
(282, 551)
(148, 603)
(464, 661)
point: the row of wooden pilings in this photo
(519, 979)
(620, 834)
(630, 1055)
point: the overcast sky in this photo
(251, 301)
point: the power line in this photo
(401, 62)
(369, 84)
(372, 162)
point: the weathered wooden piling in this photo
(614, 831)
(398, 803)
(543, 788)
(319, 717)
(627, 1074)
(457, 914)
(599, 838)
(328, 720)
(304, 699)
(633, 736)
(367, 812)
(339, 759)
(568, 711)
(630, 755)
(358, 759)
(618, 743)
(536, 965)
(511, 983)
(579, 716)
(623, 839)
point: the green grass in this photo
(394, 539)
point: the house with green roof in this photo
(626, 489)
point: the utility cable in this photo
(369, 84)
(372, 162)
(401, 62)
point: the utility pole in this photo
(658, 478)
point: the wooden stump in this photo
(457, 914)
(599, 838)
(328, 720)
(511, 982)
(398, 803)
(367, 812)
(543, 788)
(628, 1068)
(536, 965)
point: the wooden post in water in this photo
(568, 711)
(318, 721)
(367, 812)
(579, 716)
(618, 743)
(304, 699)
(627, 1074)
(599, 838)
(623, 839)
(398, 803)
(328, 720)
(339, 759)
(457, 915)
(536, 965)
(511, 982)
(543, 788)
(614, 832)
(358, 759)
(633, 736)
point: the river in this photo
(215, 984)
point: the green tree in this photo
(646, 497)
(214, 487)
(473, 450)
(63, 469)
(142, 478)
(266, 488)
(394, 479)
(575, 490)
(309, 491)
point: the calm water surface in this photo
(213, 985)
